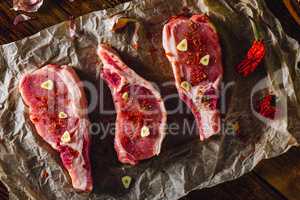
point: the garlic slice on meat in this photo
(145, 131)
(48, 85)
(125, 96)
(183, 45)
(66, 137)
(62, 115)
(205, 60)
(186, 86)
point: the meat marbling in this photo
(141, 115)
(192, 46)
(58, 109)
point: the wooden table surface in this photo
(275, 179)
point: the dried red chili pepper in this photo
(267, 106)
(253, 58)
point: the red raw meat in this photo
(193, 49)
(141, 114)
(58, 109)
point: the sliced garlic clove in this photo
(62, 115)
(48, 85)
(66, 137)
(125, 96)
(126, 180)
(186, 86)
(183, 45)
(145, 131)
(205, 60)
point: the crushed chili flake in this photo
(135, 45)
(172, 18)
(267, 106)
(67, 155)
(232, 128)
(197, 75)
(147, 103)
(45, 174)
(134, 117)
(253, 58)
(210, 98)
(203, 19)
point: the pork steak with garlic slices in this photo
(58, 110)
(193, 49)
(141, 114)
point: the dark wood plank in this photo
(51, 13)
(248, 187)
(283, 173)
(290, 26)
(3, 192)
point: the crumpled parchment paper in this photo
(32, 170)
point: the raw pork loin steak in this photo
(193, 49)
(58, 109)
(141, 115)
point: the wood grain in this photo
(275, 179)
(51, 13)
(283, 173)
(246, 188)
